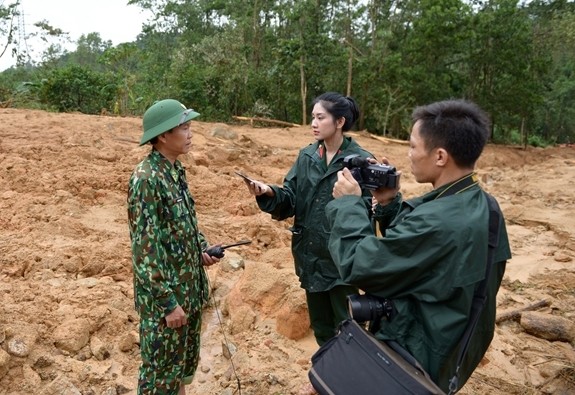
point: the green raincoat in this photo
(429, 262)
(306, 190)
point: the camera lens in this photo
(362, 308)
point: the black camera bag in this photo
(354, 362)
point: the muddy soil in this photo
(67, 323)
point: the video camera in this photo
(369, 175)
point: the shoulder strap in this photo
(480, 295)
(459, 186)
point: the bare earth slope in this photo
(67, 324)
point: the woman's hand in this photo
(258, 188)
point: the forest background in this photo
(270, 58)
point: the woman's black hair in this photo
(339, 106)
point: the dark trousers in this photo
(327, 309)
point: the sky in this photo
(113, 19)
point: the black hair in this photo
(339, 106)
(459, 126)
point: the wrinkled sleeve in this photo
(282, 204)
(203, 241)
(384, 215)
(386, 266)
(149, 256)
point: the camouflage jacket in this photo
(166, 242)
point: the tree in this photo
(77, 88)
(554, 37)
(505, 70)
(271, 57)
(8, 28)
(124, 61)
(89, 49)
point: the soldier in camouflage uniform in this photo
(170, 284)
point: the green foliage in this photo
(272, 57)
(18, 87)
(508, 68)
(435, 49)
(77, 88)
(515, 138)
(537, 141)
(554, 120)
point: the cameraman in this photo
(433, 250)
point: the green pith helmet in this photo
(163, 116)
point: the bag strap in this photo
(459, 186)
(480, 294)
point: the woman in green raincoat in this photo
(306, 190)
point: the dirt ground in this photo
(67, 323)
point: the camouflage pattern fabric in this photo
(169, 356)
(168, 271)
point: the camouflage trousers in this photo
(169, 355)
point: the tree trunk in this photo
(349, 70)
(349, 39)
(547, 326)
(256, 35)
(522, 132)
(303, 91)
(516, 313)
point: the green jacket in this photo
(306, 190)
(429, 261)
(166, 243)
